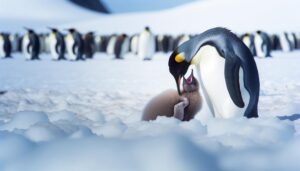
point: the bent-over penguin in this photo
(226, 69)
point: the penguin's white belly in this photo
(70, 42)
(284, 43)
(213, 81)
(124, 47)
(24, 47)
(52, 41)
(111, 46)
(134, 44)
(2, 53)
(146, 46)
(246, 41)
(258, 42)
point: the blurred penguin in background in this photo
(146, 45)
(75, 45)
(134, 42)
(248, 40)
(121, 46)
(31, 45)
(275, 41)
(286, 42)
(5, 46)
(14, 39)
(57, 44)
(110, 48)
(89, 45)
(262, 44)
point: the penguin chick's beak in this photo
(190, 78)
(178, 80)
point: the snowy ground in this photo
(86, 116)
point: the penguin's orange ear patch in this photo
(179, 58)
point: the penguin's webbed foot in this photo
(179, 108)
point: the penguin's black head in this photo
(147, 28)
(72, 30)
(29, 30)
(53, 29)
(178, 67)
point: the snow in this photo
(89, 113)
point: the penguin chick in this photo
(169, 103)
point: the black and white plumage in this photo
(248, 39)
(31, 45)
(121, 46)
(226, 69)
(75, 45)
(89, 45)
(57, 44)
(262, 44)
(5, 46)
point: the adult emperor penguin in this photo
(146, 46)
(262, 44)
(75, 45)
(5, 46)
(31, 45)
(121, 46)
(248, 39)
(89, 45)
(57, 44)
(134, 41)
(111, 44)
(227, 72)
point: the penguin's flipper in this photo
(57, 48)
(74, 48)
(232, 67)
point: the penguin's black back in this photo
(34, 42)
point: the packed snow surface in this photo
(86, 116)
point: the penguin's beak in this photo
(178, 80)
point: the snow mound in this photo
(161, 153)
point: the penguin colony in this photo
(72, 45)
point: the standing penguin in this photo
(146, 47)
(31, 45)
(75, 45)
(275, 41)
(89, 45)
(248, 39)
(57, 44)
(110, 48)
(134, 41)
(286, 43)
(262, 44)
(5, 46)
(121, 46)
(226, 69)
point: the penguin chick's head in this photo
(178, 66)
(190, 84)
